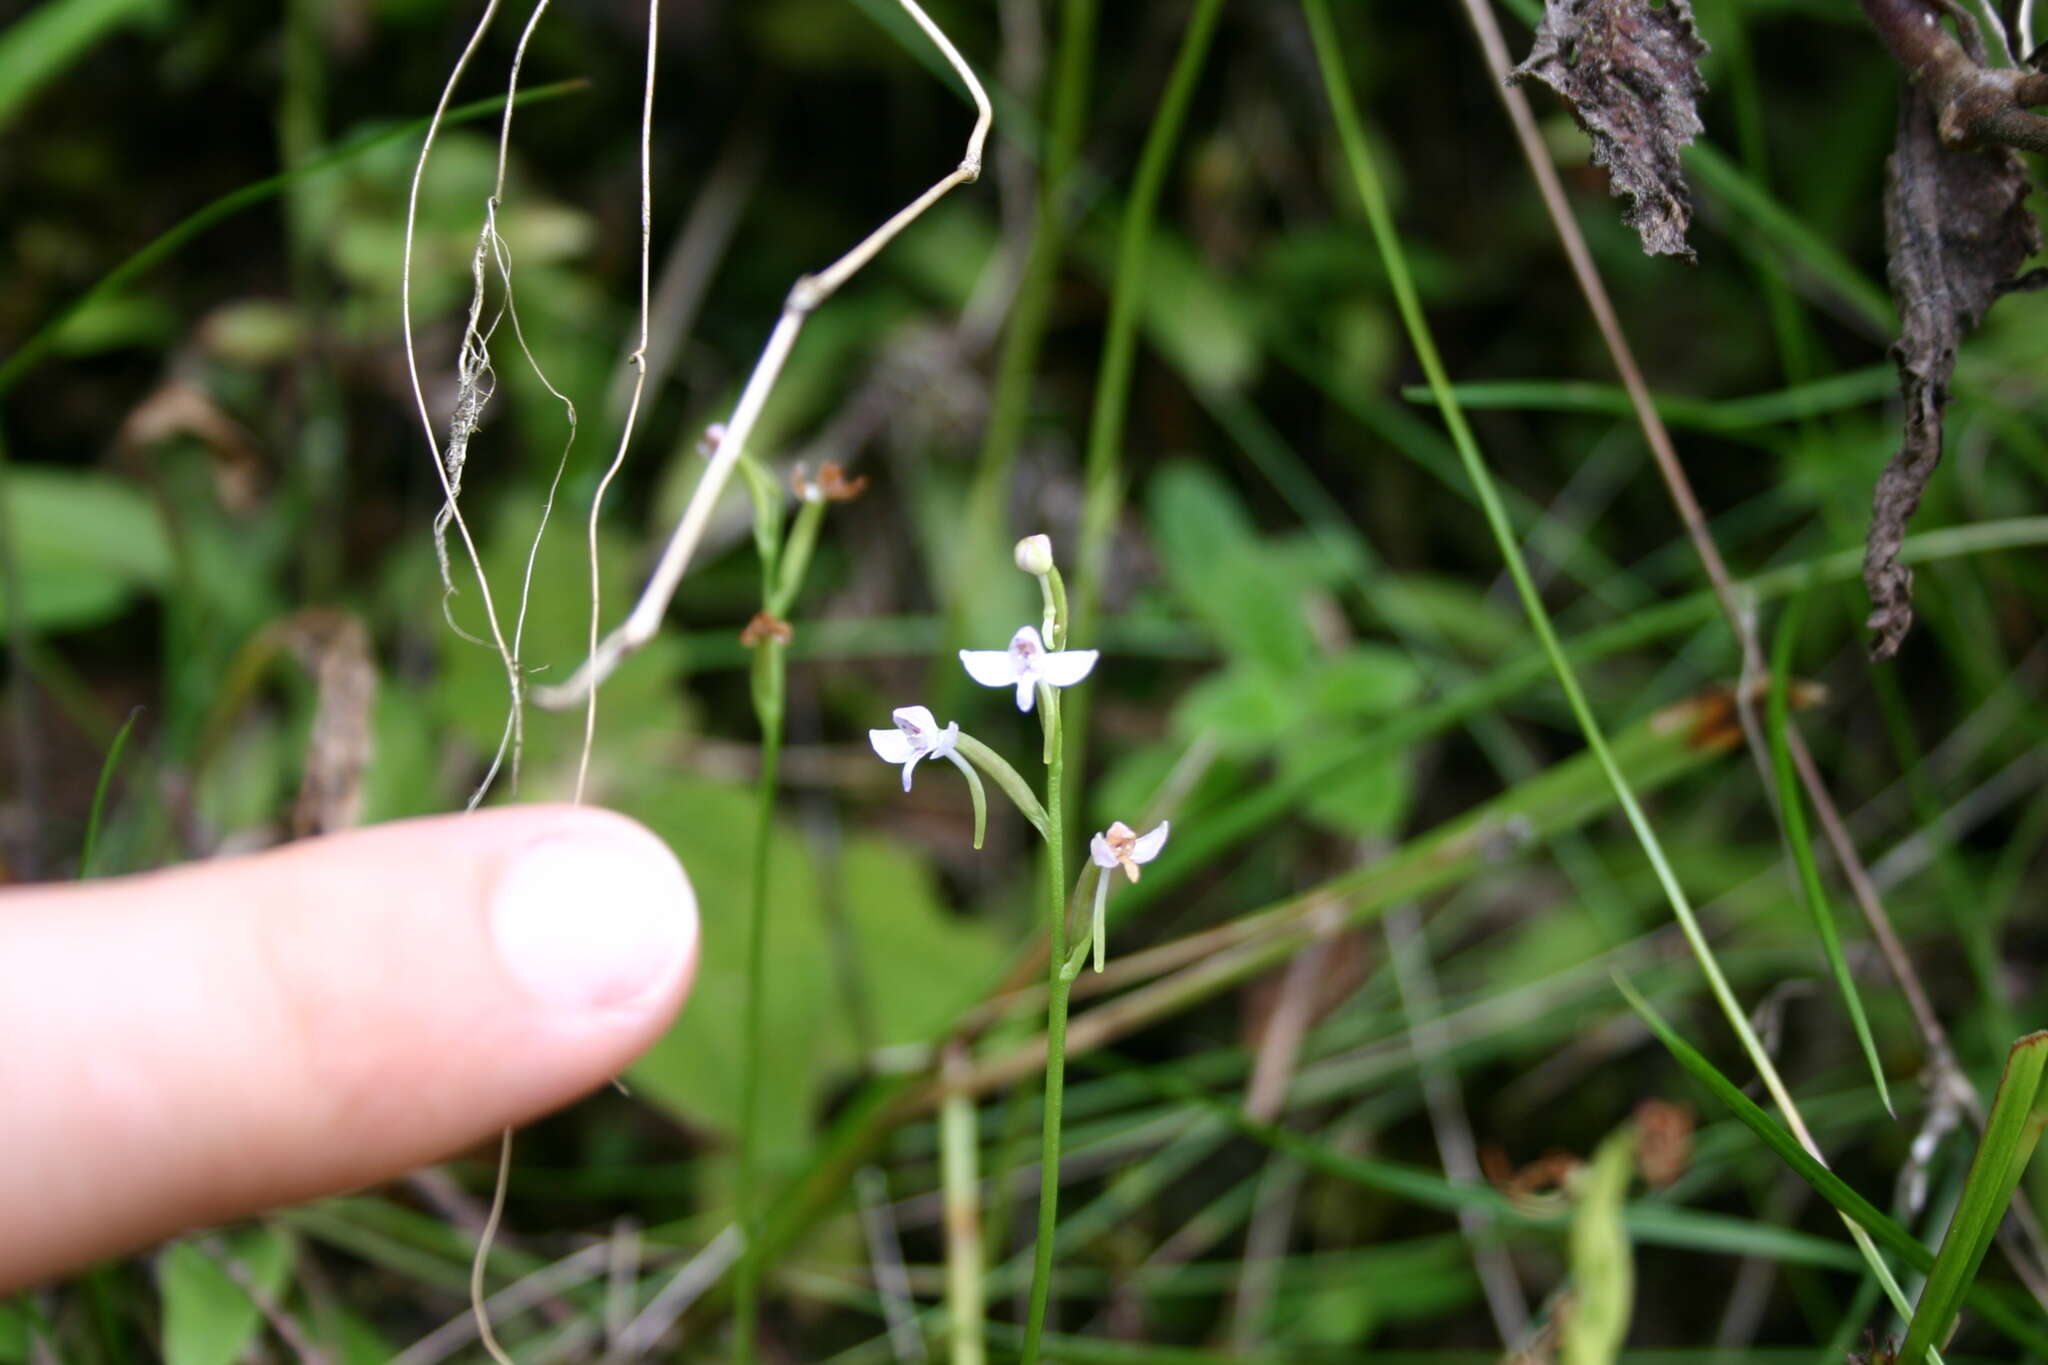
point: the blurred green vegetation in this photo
(1312, 662)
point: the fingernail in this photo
(592, 923)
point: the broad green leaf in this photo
(694, 1071)
(1218, 567)
(1245, 709)
(1603, 1266)
(208, 1318)
(88, 543)
(1365, 680)
(14, 1340)
(1361, 800)
(919, 964)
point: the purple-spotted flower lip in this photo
(1027, 663)
(1122, 846)
(917, 736)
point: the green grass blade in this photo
(35, 48)
(1836, 393)
(1799, 841)
(1603, 1267)
(1804, 249)
(167, 243)
(99, 793)
(2015, 1323)
(2009, 1140)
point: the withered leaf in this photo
(334, 646)
(1630, 71)
(1957, 231)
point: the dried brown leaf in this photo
(334, 647)
(1630, 71)
(1957, 231)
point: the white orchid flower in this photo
(917, 736)
(1122, 846)
(1027, 663)
(1119, 846)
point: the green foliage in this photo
(209, 1318)
(89, 543)
(1311, 662)
(1603, 1263)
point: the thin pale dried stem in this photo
(1272, 1220)
(448, 487)
(477, 1265)
(885, 1255)
(1415, 979)
(674, 1298)
(806, 295)
(638, 360)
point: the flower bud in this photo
(1034, 555)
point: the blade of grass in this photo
(1799, 843)
(36, 48)
(1829, 1186)
(1351, 133)
(99, 793)
(1836, 393)
(169, 242)
(2010, 1136)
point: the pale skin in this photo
(191, 1046)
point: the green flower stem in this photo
(1024, 333)
(769, 676)
(1061, 981)
(1056, 615)
(796, 556)
(959, 1148)
(980, 798)
(998, 769)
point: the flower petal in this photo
(989, 667)
(946, 740)
(892, 745)
(909, 768)
(1100, 853)
(915, 720)
(1067, 667)
(1027, 641)
(1148, 845)
(1027, 693)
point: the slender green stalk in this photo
(1024, 332)
(1102, 479)
(1104, 468)
(959, 1148)
(1799, 843)
(1059, 982)
(1351, 133)
(99, 793)
(770, 668)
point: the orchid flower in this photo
(1026, 664)
(917, 736)
(1118, 846)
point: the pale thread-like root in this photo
(805, 296)
(475, 361)
(450, 506)
(638, 360)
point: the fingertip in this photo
(592, 913)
